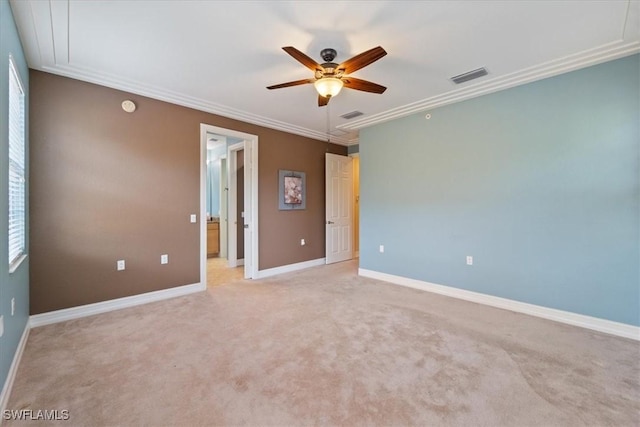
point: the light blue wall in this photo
(14, 285)
(539, 183)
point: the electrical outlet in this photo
(469, 260)
(381, 249)
(13, 306)
(120, 265)
(194, 218)
(164, 259)
(302, 242)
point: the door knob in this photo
(330, 222)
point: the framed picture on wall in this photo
(292, 192)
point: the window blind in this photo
(17, 179)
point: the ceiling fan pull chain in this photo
(328, 129)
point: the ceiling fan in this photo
(330, 77)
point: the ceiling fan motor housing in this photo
(328, 54)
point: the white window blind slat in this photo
(17, 177)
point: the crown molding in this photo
(104, 79)
(607, 52)
(552, 68)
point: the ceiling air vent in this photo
(469, 75)
(352, 114)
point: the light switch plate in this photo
(194, 218)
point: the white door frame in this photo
(251, 217)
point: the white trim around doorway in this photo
(251, 159)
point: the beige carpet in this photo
(325, 347)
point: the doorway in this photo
(245, 145)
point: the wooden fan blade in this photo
(289, 84)
(362, 60)
(322, 101)
(302, 58)
(363, 85)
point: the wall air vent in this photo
(469, 75)
(351, 115)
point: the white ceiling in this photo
(219, 56)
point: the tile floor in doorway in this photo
(218, 272)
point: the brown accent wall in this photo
(108, 185)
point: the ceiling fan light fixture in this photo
(328, 86)
(329, 77)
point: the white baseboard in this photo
(13, 370)
(290, 268)
(111, 305)
(594, 323)
(240, 262)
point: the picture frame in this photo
(292, 190)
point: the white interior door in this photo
(339, 212)
(247, 217)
